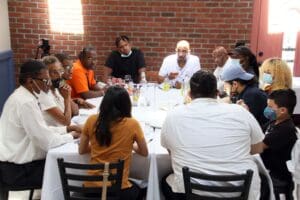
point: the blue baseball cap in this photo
(233, 70)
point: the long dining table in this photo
(145, 171)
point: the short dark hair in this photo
(203, 84)
(62, 56)
(285, 98)
(84, 52)
(115, 106)
(30, 69)
(122, 37)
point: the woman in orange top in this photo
(113, 134)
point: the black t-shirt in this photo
(122, 66)
(280, 139)
(256, 100)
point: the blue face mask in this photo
(267, 78)
(270, 114)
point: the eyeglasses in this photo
(60, 71)
(44, 80)
(68, 68)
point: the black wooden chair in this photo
(242, 190)
(282, 187)
(72, 180)
(4, 190)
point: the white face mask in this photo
(43, 98)
(125, 56)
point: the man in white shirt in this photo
(179, 66)
(220, 56)
(210, 138)
(24, 136)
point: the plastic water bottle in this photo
(143, 78)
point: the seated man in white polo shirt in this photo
(25, 137)
(209, 137)
(179, 66)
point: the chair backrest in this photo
(72, 180)
(241, 189)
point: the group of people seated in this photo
(239, 110)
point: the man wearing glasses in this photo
(25, 137)
(83, 81)
(67, 64)
(179, 66)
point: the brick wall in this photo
(153, 25)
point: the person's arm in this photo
(140, 145)
(63, 117)
(82, 103)
(91, 94)
(74, 108)
(256, 134)
(258, 148)
(163, 73)
(37, 130)
(84, 145)
(107, 73)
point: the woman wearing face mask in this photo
(247, 59)
(275, 75)
(58, 108)
(67, 65)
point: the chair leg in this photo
(31, 194)
(3, 194)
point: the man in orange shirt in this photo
(83, 82)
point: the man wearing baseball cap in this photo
(239, 82)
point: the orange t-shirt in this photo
(82, 79)
(124, 133)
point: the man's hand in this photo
(75, 134)
(172, 75)
(74, 130)
(178, 85)
(83, 104)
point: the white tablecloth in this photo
(150, 169)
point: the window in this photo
(66, 16)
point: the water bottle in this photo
(143, 78)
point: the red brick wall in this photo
(153, 25)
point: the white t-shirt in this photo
(213, 138)
(170, 64)
(24, 135)
(218, 71)
(54, 99)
